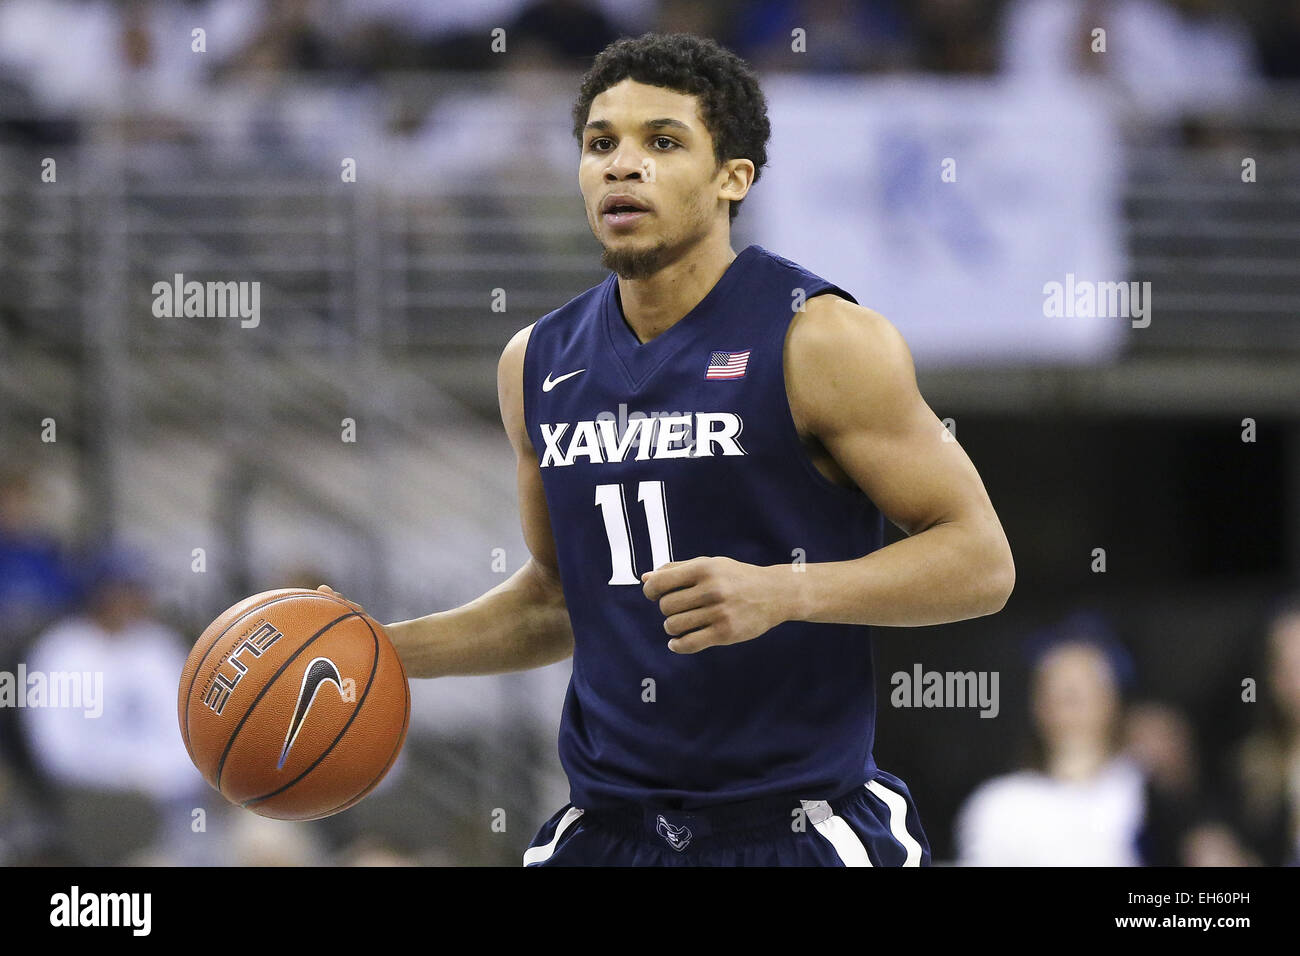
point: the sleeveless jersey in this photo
(681, 447)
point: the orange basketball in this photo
(294, 704)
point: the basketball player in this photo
(707, 445)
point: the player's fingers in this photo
(684, 599)
(651, 579)
(325, 588)
(332, 593)
(695, 641)
(669, 577)
(690, 620)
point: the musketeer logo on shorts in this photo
(946, 689)
(232, 670)
(606, 441)
(75, 908)
(677, 837)
(319, 671)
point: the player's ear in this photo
(735, 178)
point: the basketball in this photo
(294, 704)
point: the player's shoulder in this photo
(834, 343)
(845, 363)
(831, 323)
(513, 354)
(510, 381)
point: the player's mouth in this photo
(620, 210)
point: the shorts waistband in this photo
(675, 826)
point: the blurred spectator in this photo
(1184, 825)
(1106, 785)
(560, 34)
(955, 36)
(1213, 843)
(288, 39)
(1277, 34)
(703, 19)
(1160, 741)
(257, 841)
(121, 747)
(380, 35)
(1081, 802)
(1163, 56)
(838, 36)
(430, 19)
(36, 579)
(369, 851)
(1268, 760)
(101, 54)
(37, 585)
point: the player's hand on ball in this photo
(330, 591)
(712, 601)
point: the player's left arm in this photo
(852, 386)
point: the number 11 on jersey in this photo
(613, 508)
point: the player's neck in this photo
(655, 304)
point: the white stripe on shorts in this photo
(898, 821)
(846, 842)
(538, 854)
(848, 846)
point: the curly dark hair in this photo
(731, 103)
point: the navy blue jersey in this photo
(683, 447)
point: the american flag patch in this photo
(727, 364)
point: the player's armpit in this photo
(851, 384)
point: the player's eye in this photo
(595, 143)
(660, 140)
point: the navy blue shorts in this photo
(873, 825)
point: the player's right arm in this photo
(523, 622)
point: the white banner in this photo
(949, 206)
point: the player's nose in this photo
(625, 164)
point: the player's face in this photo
(648, 145)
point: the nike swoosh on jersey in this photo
(318, 672)
(550, 383)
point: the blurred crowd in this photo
(75, 54)
(1112, 777)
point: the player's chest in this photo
(596, 416)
